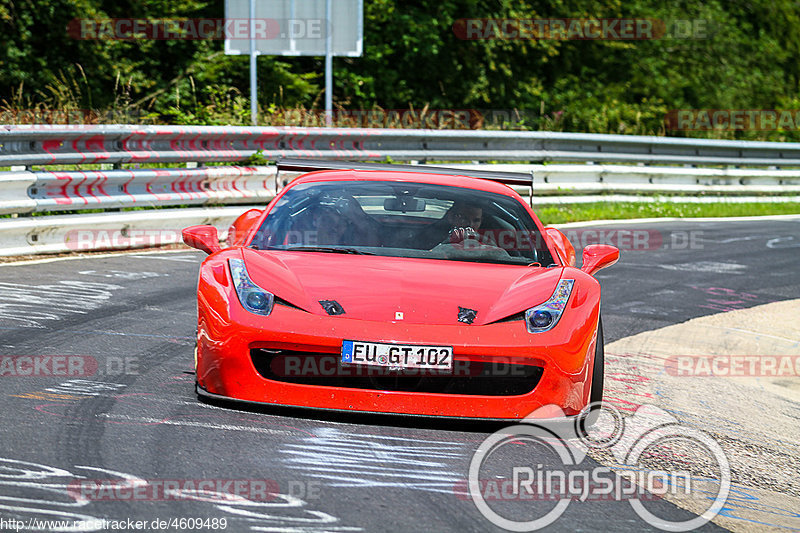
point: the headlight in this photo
(251, 296)
(545, 316)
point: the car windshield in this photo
(403, 219)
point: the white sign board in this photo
(294, 27)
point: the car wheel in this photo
(588, 416)
(598, 368)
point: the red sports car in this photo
(399, 289)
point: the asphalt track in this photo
(136, 417)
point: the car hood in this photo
(425, 291)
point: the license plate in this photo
(397, 355)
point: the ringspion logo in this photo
(551, 466)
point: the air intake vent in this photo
(326, 369)
(332, 307)
(467, 316)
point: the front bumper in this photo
(565, 354)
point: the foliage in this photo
(748, 58)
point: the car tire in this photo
(589, 415)
(598, 368)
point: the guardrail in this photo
(106, 231)
(45, 191)
(63, 145)
(24, 192)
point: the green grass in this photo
(559, 214)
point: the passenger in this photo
(343, 223)
(330, 227)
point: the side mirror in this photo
(241, 227)
(597, 256)
(564, 248)
(203, 238)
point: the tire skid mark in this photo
(29, 305)
(57, 499)
(345, 459)
(145, 401)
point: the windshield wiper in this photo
(329, 249)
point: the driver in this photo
(465, 221)
(461, 221)
(465, 215)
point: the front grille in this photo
(326, 369)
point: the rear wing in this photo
(310, 165)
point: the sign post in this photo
(328, 66)
(253, 72)
(296, 28)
